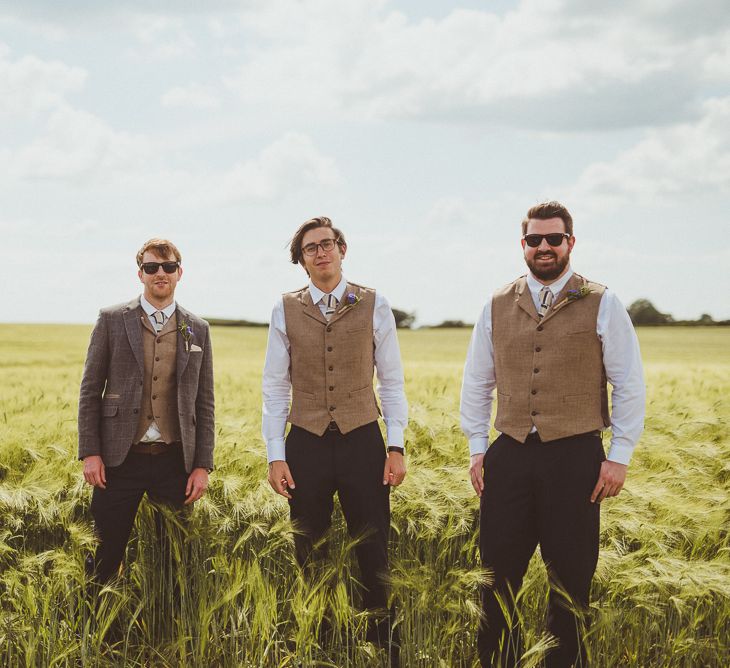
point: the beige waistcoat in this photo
(332, 363)
(549, 373)
(159, 390)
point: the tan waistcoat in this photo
(332, 362)
(159, 390)
(549, 373)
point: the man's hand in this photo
(476, 473)
(280, 478)
(94, 471)
(610, 481)
(197, 484)
(395, 469)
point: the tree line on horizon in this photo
(642, 313)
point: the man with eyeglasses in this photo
(325, 342)
(548, 342)
(146, 408)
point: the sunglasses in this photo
(154, 267)
(554, 239)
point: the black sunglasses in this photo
(154, 267)
(554, 239)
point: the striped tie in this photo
(331, 305)
(159, 317)
(546, 299)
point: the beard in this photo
(550, 272)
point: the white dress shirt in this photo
(621, 360)
(153, 434)
(277, 380)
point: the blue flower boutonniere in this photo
(186, 331)
(352, 299)
(574, 295)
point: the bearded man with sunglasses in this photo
(548, 342)
(146, 409)
(325, 343)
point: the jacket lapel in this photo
(344, 306)
(132, 315)
(310, 308)
(183, 355)
(524, 299)
(561, 300)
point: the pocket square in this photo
(195, 349)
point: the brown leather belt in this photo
(153, 448)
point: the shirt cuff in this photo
(276, 450)
(620, 453)
(395, 436)
(478, 445)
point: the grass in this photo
(234, 597)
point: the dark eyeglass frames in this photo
(153, 267)
(326, 245)
(554, 239)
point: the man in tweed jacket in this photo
(146, 407)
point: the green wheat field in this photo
(233, 596)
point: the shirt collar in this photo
(149, 309)
(555, 287)
(317, 294)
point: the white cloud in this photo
(191, 96)
(30, 85)
(672, 161)
(161, 37)
(289, 164)
(75, 145)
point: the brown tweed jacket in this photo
(112, 384)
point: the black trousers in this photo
(162, 477)
(538, 493)
(352, 465)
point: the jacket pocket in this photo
(361, 392)
(109, 410)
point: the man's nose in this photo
(544, 245)
(160, 270)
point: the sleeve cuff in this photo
(276, 450)
(478, 445)
(395, 436)
(620, 453)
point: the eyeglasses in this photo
(326, 245)
(154, 267)
(554, 239)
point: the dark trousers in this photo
(538, 493)
(162, 477)
(352, 465)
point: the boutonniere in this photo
(186, 331)
(351, 299)
(574, 295)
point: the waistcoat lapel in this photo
(524, 299)
(310, 308)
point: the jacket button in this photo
(533, 413)
(539, 328)
(536, 370)
(332, 387)
(331, 368)
(533, 392)
(154, 377)
(538, 349)
(329, 328)
(329, 349)
(332, 408)
(159, 340)
(135, 411)
(154, 396)
(157, 359)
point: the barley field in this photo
(234, 597)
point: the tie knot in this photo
(546, 299)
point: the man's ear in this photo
(343, 250)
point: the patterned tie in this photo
(159, 317)
(546, 299)
(331, 305)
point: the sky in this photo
(425, 130)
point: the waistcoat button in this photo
(329, 349)
(533, 413)
(538, 349)
(332, 408)
(332, 387)
(536, 370)
(331, 368)
(534, 391)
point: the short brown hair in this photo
(160, 247)
(546, 211)
(295, 245)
